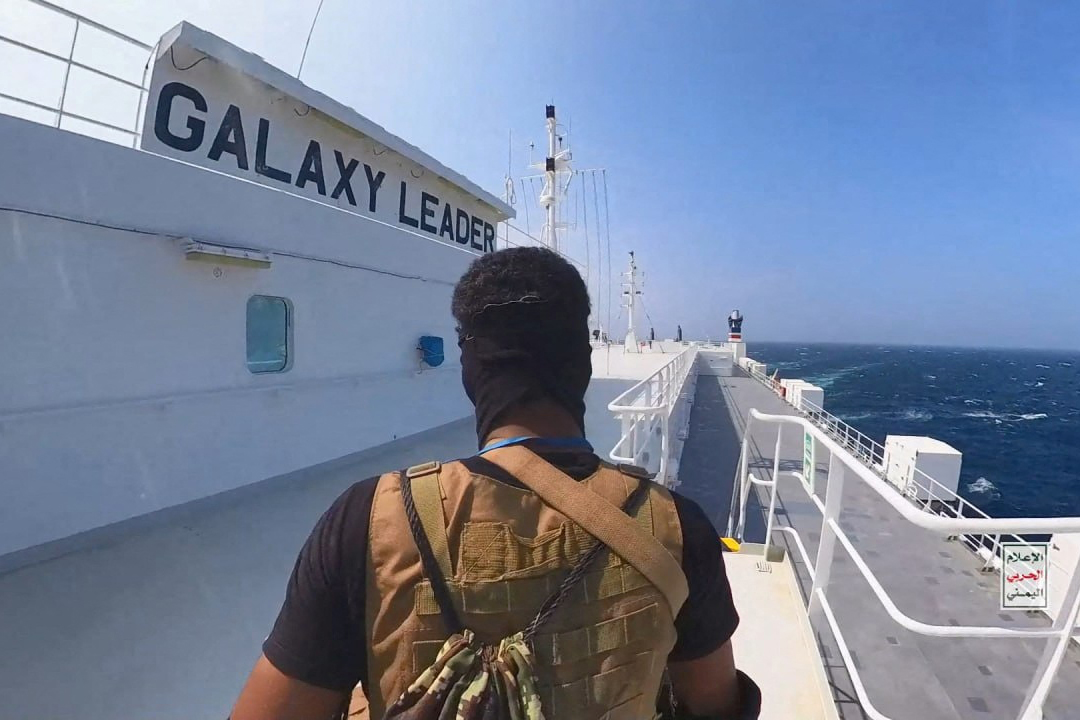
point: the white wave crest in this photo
(825, 380)
(1004, 417)
(855, 416)
(1045, 367)
(983, 487)
(920, 415)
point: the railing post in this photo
(736, 495)
(665, 426)
(995, 546)
(1032, 709)
(744, 493)
(67, 74)
(823, 563)
(775, 479)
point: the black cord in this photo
(577, 574)
(172, 59)
(427, 559)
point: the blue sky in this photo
(903, 172)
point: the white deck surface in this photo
(611, 362)
(163, 618)
(774, 643)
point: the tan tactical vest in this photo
(603, 652)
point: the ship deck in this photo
(930, 578)
(163, 617)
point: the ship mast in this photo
(630, 292)
(556, 165)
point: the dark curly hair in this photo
(499, 289)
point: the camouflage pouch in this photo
(470, 680)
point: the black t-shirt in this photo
(319, 636)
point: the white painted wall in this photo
(715, 362)
(611, 361)
(124, 387)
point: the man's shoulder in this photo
(360, 491)
(348, 516)
(693, 519)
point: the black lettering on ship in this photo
(228, 144)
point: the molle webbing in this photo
(605, 521)
(501, 551)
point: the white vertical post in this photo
(823, 563)
(631, 291)
(1032, 709)
(664, 426)
(736, 497)
(995, 546)
(772, 493)
(743, 482)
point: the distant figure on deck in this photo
(468, 551)
(678, 335)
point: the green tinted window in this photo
(267, 334)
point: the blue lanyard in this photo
(567, 442)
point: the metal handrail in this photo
(654, 406)
(91, 23)
(840, 461)
(846, 434)
(923, 490)
(70, 62)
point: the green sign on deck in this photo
(809, 460)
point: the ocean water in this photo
(1014, 414)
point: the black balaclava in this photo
(523, 351)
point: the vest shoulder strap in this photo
(428, 497)
(634, 471)
(423, 469)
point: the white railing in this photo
(842, 462)
(922, 490)
(38, 28)
(654, 417)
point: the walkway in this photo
(930, 578)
